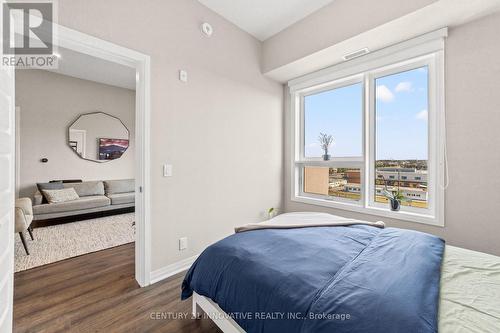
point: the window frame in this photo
(337, 84)
(404, 58)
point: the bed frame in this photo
(215, 313)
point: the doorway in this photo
(86, 44)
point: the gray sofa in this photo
(95, 196)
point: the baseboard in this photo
(172, 269)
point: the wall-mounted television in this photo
(111, 149)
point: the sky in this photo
(401, 118)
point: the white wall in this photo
(221, 131)
(49, 103)
(472, 218)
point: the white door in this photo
(7, 185)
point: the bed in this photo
(315, 272)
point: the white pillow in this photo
(57, 196)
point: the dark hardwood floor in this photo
(97, 292)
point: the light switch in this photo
(183, 75)
(183, 243)
(167, 170)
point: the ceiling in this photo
(86, 67)
(264, 18)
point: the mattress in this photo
(349, 278)
(469, 296)
(470, 292)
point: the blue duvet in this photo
(323, 279)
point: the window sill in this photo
(353, 207)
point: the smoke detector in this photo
(356, 54)
(207, 29)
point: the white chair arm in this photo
(25, 205)
(23, 214)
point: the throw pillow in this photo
(49, 186)
(58, 196)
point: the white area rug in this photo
(68, 240)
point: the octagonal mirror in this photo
(98, 137)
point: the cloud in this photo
(404, 86)
(384, 94)
(422, 115)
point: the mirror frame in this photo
(88, 114)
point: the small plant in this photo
(271, 212)
(325, 141)
(395, 197)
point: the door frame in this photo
(18, 148)
(83, 43)
(83, 134)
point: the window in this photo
(339, 112)
(385, 121)
(401, 139)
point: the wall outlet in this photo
(183, 243)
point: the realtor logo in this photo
(28, 35)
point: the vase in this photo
(326, 157)
(395, 204)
